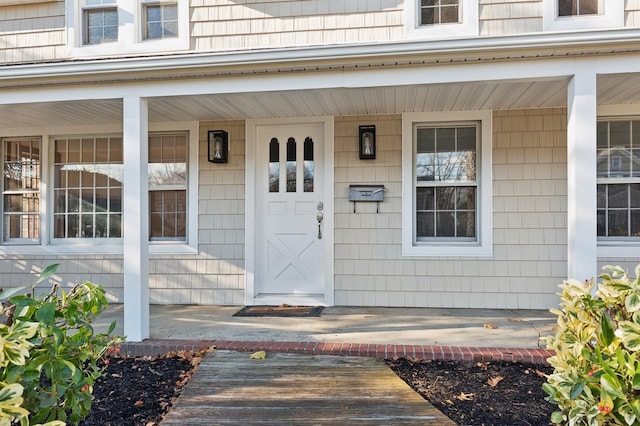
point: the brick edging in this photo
(154, 347)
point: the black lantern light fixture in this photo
(367, 142)
(218, 146)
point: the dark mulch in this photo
(140, 391)
(495, 393)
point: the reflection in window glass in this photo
(291, 165)
(577, 7)
(161, 21)
(308, 165)
(21, 216)
(446, 186)
(274, 165)
(618, 168)
(439, 12)
(168, 186)
(101, 25)
(87, 191)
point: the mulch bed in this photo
(483, 394)
(140, 391)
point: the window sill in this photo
(619, 249)
(447, 251)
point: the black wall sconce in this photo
(218, 146)
(367, 142)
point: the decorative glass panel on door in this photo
(308, 165)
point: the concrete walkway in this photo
(425, 333)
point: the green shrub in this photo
(54, 365)
(596, 378)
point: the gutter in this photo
(406, 52)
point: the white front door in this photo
(290, 212)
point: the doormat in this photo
(279, 311)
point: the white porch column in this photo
(581, 176)
(136, 219)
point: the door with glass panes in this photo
(290, 212)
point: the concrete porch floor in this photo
(349, 325)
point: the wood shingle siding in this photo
(32, 32)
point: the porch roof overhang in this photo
(451, 93)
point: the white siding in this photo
(232, 25)
(502, 17)
(529, 223)
(632, 13)
(32, 33)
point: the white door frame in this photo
(250, 255)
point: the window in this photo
(160, 20)
(446, 184)
(124, 27)
(446, 171)
(618, 192)
(442, 19)
(100, 21)
(87, 187)
(21, 190)
(577, 7)
(439, 12)
(562, 15)
(168, 186)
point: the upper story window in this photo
(113, 27)
(618, 192)
(100, 21)
(439, 12)
(160, 20)
(446, 175)
(568, 15)
(441, 19)
(577, 7)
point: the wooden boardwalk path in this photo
(294, 389)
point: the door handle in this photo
(319, 217)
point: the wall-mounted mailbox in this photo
(366, 193)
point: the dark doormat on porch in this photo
(279, 311)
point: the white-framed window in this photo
(440, 19)
(88, 176)
(99, 22)
(618, 180)
(446, 176)
(21, 190)
(119, 27)
(566, 15)
(160, 20)
(63, 193)
(168, 186)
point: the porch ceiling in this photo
(517, 94)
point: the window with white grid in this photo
(160, 20)
(618, 191)
(100, 21)
(87, 187)
(21, 190)
(168, 186)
